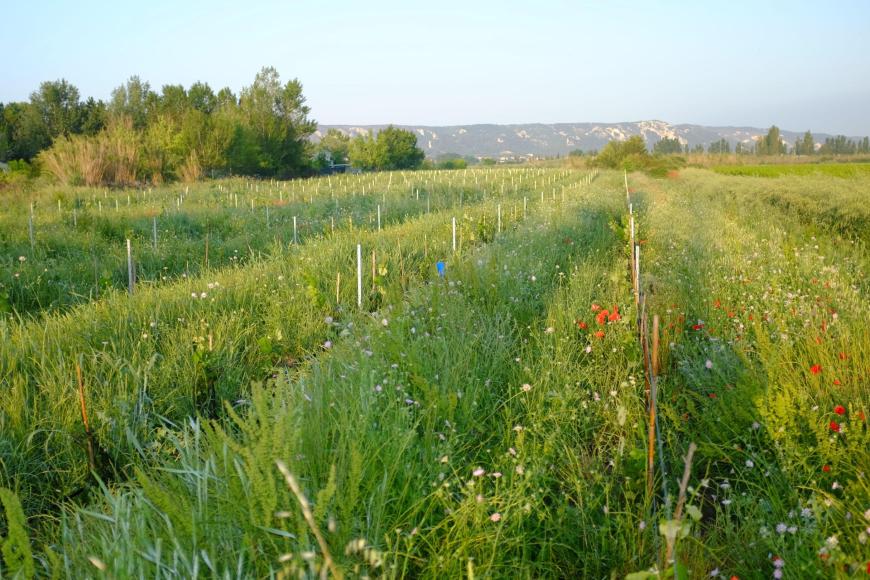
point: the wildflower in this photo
(496, 474)
(843, 356)
(327, 345)
(714, 572)
(520, 470)
(837, 382)
(750, 463)
(496, 517)
(385, 322)
(601, 317)
(756, 425)
(708, 364)
(328, 320)
(697, 326)
(595, 308)
(840, 410)
(781, 528)
(581, 325)
(588, 348)
(835, 427)
(816, 369)
(642, 525)
(527, 387)
(599, 334)
(478, 472)
(826, 468)
(550, 330)
(614, 316)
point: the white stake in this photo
(499, 218)
(129, 268)
(154, 232)
(454, 235)
(379, 217)
(359, 275)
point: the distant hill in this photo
(547, 140)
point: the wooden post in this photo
(374, 271)
(206, 251)
(337, 286)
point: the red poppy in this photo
(862, 416)
(843, 356)
(837, 382)
(835, 427)
(712, 395)
(601, 317)
(717, 304)
(697, 326)
(599, 334)
(595, 308)
(816, 369)
(614, 316)
(581, 325)
(840, 410)
(826, 469)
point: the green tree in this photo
(202, 98)
(771, 144)
(93, 116)
(277, 117)
(334, 145)
(806, 145)
(621, 154)
(393, 148)
(135, 100)
(668, 146)
(720, 147)
(27, 133)
(57, 103)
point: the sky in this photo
(799, 65)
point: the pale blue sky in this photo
(799, 64)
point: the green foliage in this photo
(393, 148)
(628, 154)
(668, 146)
(771, 144)
(15, 546)
(720, 147)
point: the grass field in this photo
(246, 418)
(842, 170)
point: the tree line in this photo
(141, 135)
(770, 144)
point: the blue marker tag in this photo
(441, 268)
